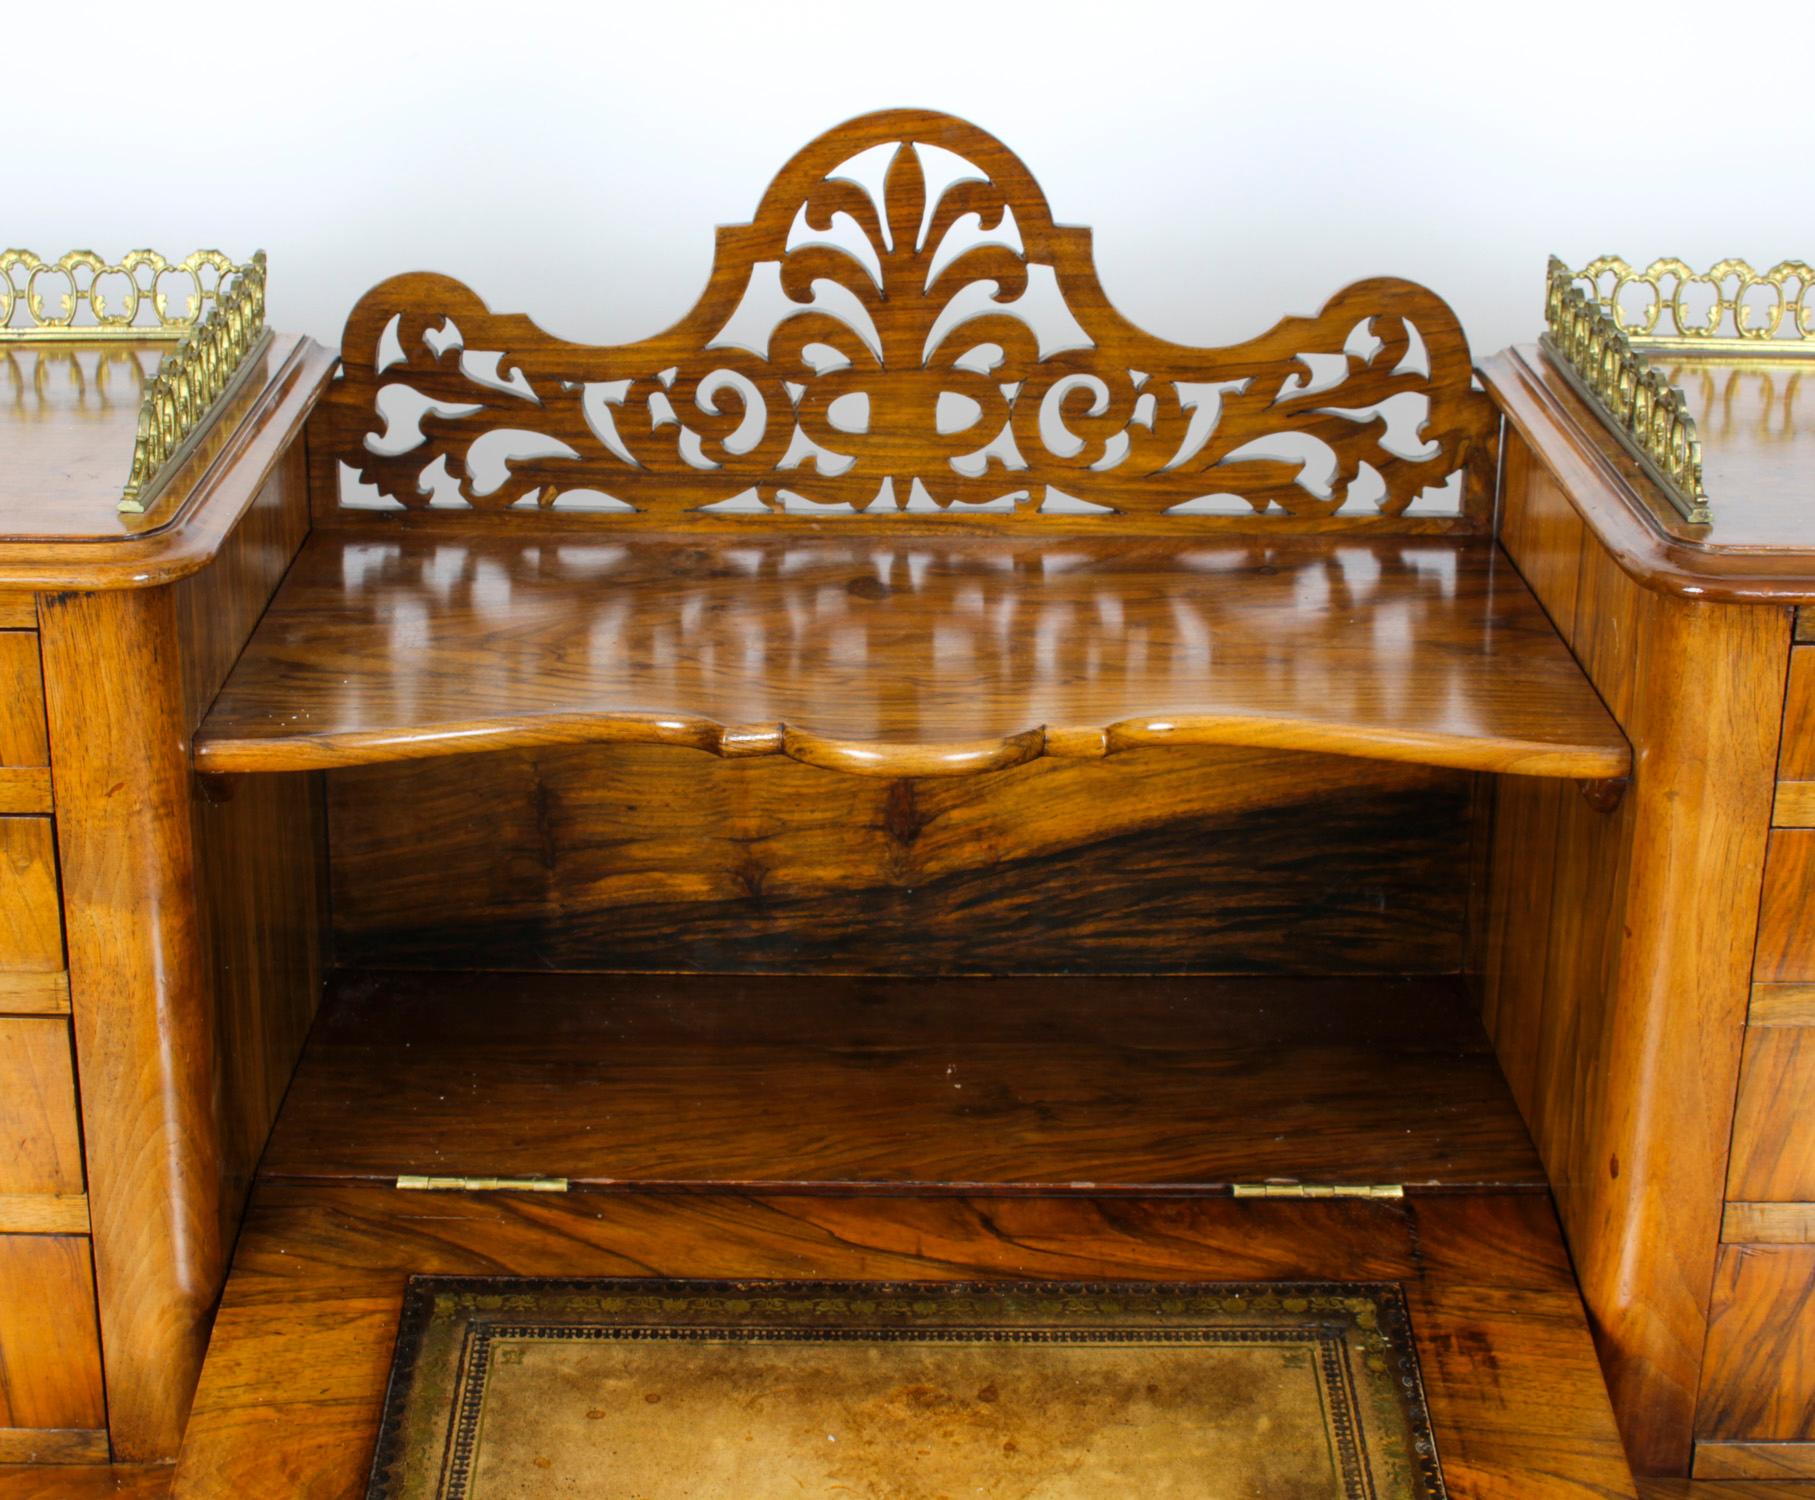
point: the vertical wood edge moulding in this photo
(141, 999)
(1702, 810)
(1656, 1090)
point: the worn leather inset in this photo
(664, 1390)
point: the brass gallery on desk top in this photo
(1319, 660)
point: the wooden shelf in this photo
(1063, 1085)
(896, 655)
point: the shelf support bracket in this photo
(1605, 793)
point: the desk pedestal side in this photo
(1619, 955)
(192, 920)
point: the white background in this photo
(1237, 163)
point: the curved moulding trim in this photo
(330, 750)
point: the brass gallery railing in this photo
(1602, 343)
(215, 315)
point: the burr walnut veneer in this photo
(754, 780)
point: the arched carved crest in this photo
(903, 328)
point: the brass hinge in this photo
(417, 1184)
(1319, 1190)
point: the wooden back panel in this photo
(629, 857)
(903, 331)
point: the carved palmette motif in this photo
(933, 342)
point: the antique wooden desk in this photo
(638, 791)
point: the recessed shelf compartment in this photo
(1087, 1086)
(1082, 1128)
(886, 653)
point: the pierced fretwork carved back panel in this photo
(900, 330)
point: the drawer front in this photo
(24, 745)
(31, 914)
(50, 1348)
(1773, 1150)
(1773, 1155)
(23, 738)
(1796, 767)
(40, 1142)
(18, 611)
(1786, 918)
(1758, 1376)
(1758, 1459)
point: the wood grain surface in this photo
(40, 1139)
(1782, 1005)
(1773, 1156)
(936, 658)
(44, 1213)
(290, 1396)
(25, 789)
(60, 1449)
(1056, 1085)
(1218, 859)
(90, 1481)
(195, 926)
(25, 993)
(1786, 935)
(143, 1005)
(260, 845)
(1796, 765)
(1797, 760)
(264, 916)
(50, 1364)
(23, 739)
(1768, 1223)
(1617, 1014)
(1719, 1460)
(1758, 1380)
(31, 922)
(1795, 805)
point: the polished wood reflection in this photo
(1756, 422)
(1757, 551)
(924, 658)
(67, 439)
(70, 414)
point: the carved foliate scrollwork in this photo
(927, 339)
